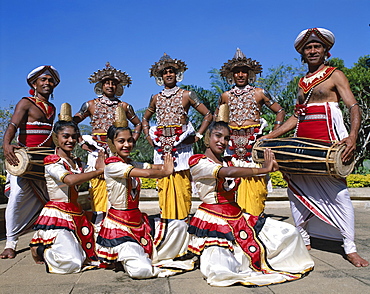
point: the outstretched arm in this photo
(289, 125)
(78, 179)
(269, 165)
(159, 172)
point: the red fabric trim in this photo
(320, 126)
(45, 106)
(242, 229)
(81, 226)
(136, 221)
(328, 71)
(310, 205)
(113, 159)
(193, 160)
(53, 158)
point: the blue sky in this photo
(79, 37)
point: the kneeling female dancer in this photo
(236, 247)
(126, 235)
(64, 238)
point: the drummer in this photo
(33, 116)
(321, 205)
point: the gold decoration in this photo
(120, 122)
(65, 112)
(223, 113)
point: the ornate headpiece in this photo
(321, 35)
(41, 71)
(164, 62)
(240, 60)
(223, 115)
(66, 115)
(119, 122)
(65, 112)
(109, 72)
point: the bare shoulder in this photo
(260, 94)
(225, 97)
(338, 75)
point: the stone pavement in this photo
(332, 273)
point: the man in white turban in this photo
(321, 205)
(33, 116)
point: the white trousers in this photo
(328, 197)
(23, 207)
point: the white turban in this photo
(41, 71)
(321, 35)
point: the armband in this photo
(271, 99)
(83, 110)
(151, 110)
(278, 122)
(193, 96)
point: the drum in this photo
(31, 162)
(305, 156)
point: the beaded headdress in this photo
(164, 62)
(240, 60)
(111, 73)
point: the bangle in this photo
(13, 124)
(199, 135)
(280, 110)
(278, 122)
(146, 127)
(136, 132)
(353, 105)
(81, 143)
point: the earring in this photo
(159, 81)
(206, 139)
(52, 96)
(55, 139)
(179, 76)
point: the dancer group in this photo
(229, 236)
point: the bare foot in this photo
(37, 258)
(357, 260)
(308, 247)
(8, 253)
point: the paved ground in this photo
(332, 274)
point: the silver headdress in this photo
(240, 60)
(164, 62)
(109, 72)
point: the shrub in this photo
(148, 183)
(353, 180)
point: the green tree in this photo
(358, 77)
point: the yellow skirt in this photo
(175, 195)
(98, 194)
(252, 194)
